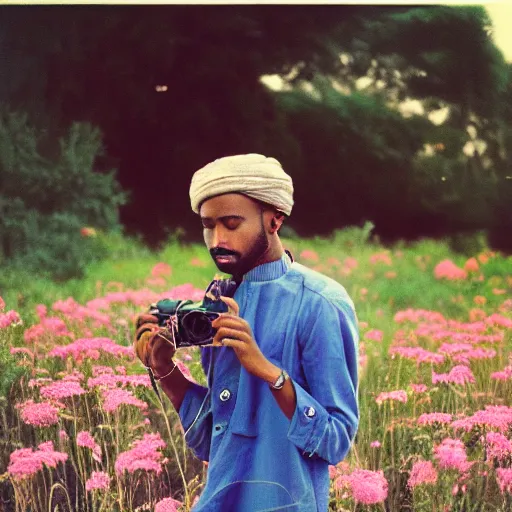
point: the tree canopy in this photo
(174, 87)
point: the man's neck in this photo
(274, 255)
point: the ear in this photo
(276, 221)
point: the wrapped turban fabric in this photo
(253, 175)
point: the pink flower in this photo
(42, 414)
(471, 265)
(451, 454)
(499, 320)
(350, 262)
(48, 327)
(25, 462)
(498, 446)
(161, 269)
(433, 418)
(86, 440)
(368, 487)
(9, 318)
(168, 505)
(493, 416)
(375, 444)
(98, 480)
(2, 304)
(422, 472)
(90, 348)
(22, 350)
(381, 257)
(506, 374)
(374, 334)
(504, 477)
(416, 315)
(458, 375)
(419, 388)
(196, 262)
(418, 354)
(41, 311)
(476, 314)
(309, 255)
(143, 455)
(114, 398)
(399, 396)
(62, 389)
(446, 269)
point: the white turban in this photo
(254, 175)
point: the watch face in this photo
(280, 381)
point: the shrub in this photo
(53, 207)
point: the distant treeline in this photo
(174, 87)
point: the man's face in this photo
(234, 232)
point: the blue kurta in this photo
(258, 459)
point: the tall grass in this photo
(442, 316)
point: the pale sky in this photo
(501, 17)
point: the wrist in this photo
(270, 372)
(160, 372)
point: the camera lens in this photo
(198, 326)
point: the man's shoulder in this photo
(319, 287)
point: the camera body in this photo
(190, 323)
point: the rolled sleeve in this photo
(326, 416)
(196, 418)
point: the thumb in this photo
(231, 304)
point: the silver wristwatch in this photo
(279, 383)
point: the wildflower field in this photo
(81, 428)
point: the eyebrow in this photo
(224, 217)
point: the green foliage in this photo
(369, 145)
(45, 202)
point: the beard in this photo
(242, 264)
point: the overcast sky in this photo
(501, 15)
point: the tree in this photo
(48, 207)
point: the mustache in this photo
(220, 251)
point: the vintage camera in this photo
(190, 323)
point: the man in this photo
(281, 402)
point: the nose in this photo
(218, 237)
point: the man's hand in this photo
(153, 350)
(235, 332)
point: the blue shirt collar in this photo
(269, 271)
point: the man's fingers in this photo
(141, 347)
(227, 320)
(145, 319)
(232, 305)
(147, 327)
(226, 332)
(235, 344)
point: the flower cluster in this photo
(368, 487)
(399, 396)
(41, 414)
(451, 454)
(459, 374)
(86, 440)
(114, 398)
(446, 269)
(144, 455)
(90, 348)
(422, 472)
(25, 462)
(99, 480)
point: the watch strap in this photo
(279, 382)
